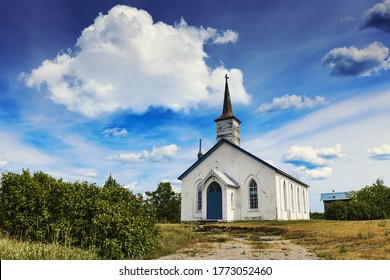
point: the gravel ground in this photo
(265, 248)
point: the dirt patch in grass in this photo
(242, 243)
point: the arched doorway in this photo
(214, 202)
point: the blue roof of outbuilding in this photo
(335, 196)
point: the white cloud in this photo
(380, 153)
(158, 154)
(227, 37)
(3, 163)
(312, 158)
(378, 17)
(318, 173)
(116, 132)
(352, 61)
(126, 61)
(90, 174)
(17, 152)
(313, 163)
(291, 101)
(131, 186)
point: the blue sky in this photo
(89, 88)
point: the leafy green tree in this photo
(377, 194)
(166, 203)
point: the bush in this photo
(317, 216)
(377, 195)
(109, 220)
(353, 210)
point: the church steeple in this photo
(227, 110)
(228, 126)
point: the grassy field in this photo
(335, 240)
(330, 240)
(12, 249)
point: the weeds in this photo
(12, 249)
(382, 223)
(342, 248)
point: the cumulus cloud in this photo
(131, 186)
(380, 153)
(3, 163)
(291, 101)
(319, 173)
(158, 154)
(124, 60)
(313, 163)
(352, 61)
(378, 17)
(115, 132)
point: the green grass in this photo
(12, 249)
(175, 237)
(350, 240)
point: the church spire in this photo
(228, 126)
(227, 110)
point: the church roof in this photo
(223, 141)
(227, 110)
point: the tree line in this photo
(110, 220)
(369, 203)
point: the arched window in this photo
(284, 196)
(292, 197)
(299, 201)
(199, 200)
(253, 195)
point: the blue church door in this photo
(214, 202)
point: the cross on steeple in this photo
(226, 77)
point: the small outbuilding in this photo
(329, 198)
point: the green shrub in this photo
(109, 220)
(317, 216)
(353, 210)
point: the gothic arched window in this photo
(199, 200)
(253, 195)
(284, 196)
(292, 198)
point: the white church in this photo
(230, 184)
